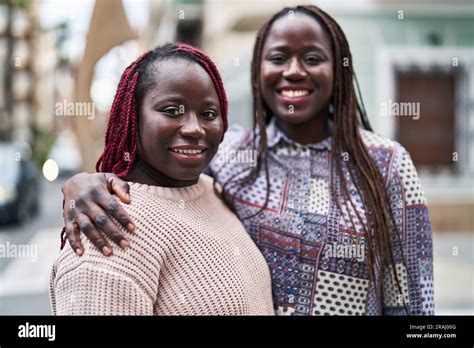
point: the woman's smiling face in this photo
(296, 75)
(180, 120)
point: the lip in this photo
(186, 146)
(297, 100)
(294, 87)
(189, 158)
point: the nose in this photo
(192, 127)
(295, 71)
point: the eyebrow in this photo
(210, 103)
(181, 100)
(174, 98)
(306, 48)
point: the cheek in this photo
(268, 76)
(324, 76)
(147, 129)
(153, 133)
(214, 132)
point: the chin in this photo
(295, 118)
(188, 175)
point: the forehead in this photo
(297, 29)
(176, 70)
(183, 76)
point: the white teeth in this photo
(187, 151)
(294, 93)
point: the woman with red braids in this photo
(337, 210)
(189, 255)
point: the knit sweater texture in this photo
(189, 255)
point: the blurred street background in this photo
(60, 63)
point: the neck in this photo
(313, 131)
(142, 173)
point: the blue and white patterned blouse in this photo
(316, 257)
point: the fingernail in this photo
(124, 243)
(106, 250)
(79, 251)
(130, 227)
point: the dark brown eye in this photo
(171, 111)
(277, 59)
(313, 59)
(209, 114)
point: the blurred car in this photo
(19, 185)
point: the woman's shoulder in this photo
(153, 213)
(373, 140)
(234, 137)
(209, 191)
(207, 181)
(379, 145)
(387, 153)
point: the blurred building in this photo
(33, 76)
(423, 52)
(17, 79)
(404, 52)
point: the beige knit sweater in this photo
(189, 255)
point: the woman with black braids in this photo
(337, 210)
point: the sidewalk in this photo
(24, 284)
(454, 273)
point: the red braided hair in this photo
(121, 138)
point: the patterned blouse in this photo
(315, 255)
